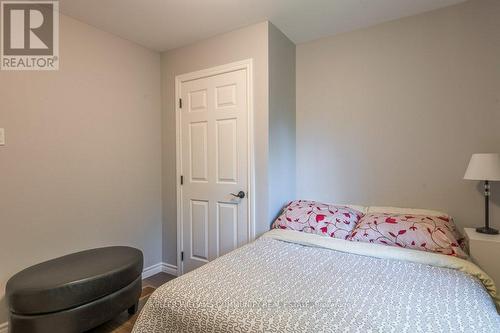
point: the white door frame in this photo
(179, 79)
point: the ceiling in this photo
(167, 24)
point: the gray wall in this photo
(390, 115)
(81, 167)
(249, 42)
(281, 121)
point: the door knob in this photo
(240, 195)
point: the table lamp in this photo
(484, 167)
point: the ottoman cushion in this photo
(73, 280)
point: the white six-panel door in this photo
(214, 164)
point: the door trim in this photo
(179, 79)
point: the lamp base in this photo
(487, 230)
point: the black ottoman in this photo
(76, 292)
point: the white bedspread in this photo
(293, 282)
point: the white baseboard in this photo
(4, 327)
(152, 270)
(157, 268)
(147, 272)
(169, 269)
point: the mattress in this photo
(289, 282)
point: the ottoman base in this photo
(83, 317)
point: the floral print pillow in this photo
(318, 218)
(419, 232)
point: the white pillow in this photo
(412, 211)
(359, 208)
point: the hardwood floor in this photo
(157, 280)
(124, 322)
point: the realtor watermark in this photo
(29, 35)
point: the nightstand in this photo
(485, 252)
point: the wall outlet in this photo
(2, 136)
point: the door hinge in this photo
(182, 180)
(182, 256)
(180, 103)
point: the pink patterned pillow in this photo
(318, 218)
(419, 232)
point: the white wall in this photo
(281, 180)
(273, 57)
(249, 42)
(82, 165)
(390, 115)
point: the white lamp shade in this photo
(483, 167)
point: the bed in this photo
(292, 281)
